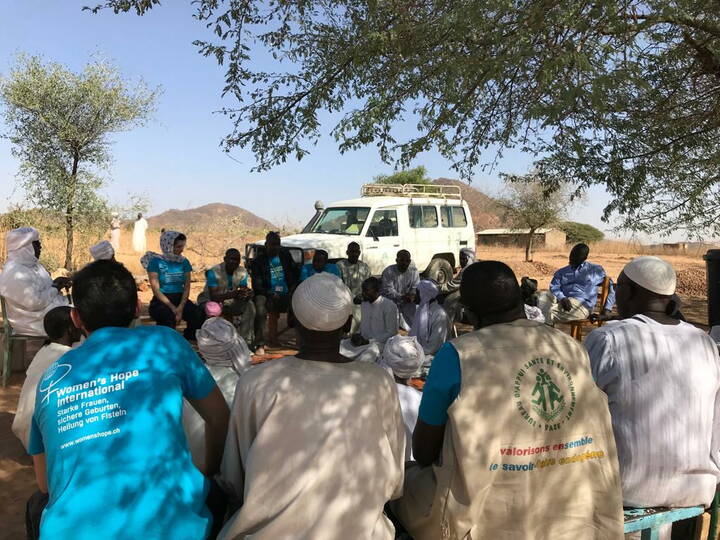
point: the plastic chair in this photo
(650, 520)
(8, 339)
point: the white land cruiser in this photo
(432, 222)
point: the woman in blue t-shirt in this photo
(169, 276)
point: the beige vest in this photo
(529, 451)
(221, 276)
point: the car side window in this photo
(453, 216)
(422, 217)
(384, 223)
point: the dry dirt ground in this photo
(16, 475)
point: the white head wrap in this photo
(167, 245)
(102, 251)
(220, 345)
(18, 243)
(653, 274)
(470, 254)
(403, 355)
(428, 291)
(322, 302)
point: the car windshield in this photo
(341, 221)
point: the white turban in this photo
(403, 355)
(18, 243)
(220, 345)
(322, 303)
(102, 251)
(653, 274)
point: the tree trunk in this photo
(529, 245)
(70, 214)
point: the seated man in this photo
(509, 414)
(319, 264)
(378, 323)
(662, 378)
(451, 289)
(62, 334)
(28, 290)
(403, 356)
(353, 273)
(399, 284)
(107, 425)
(226, 357)
(227, 284)
(274, 278)
(431, 324)
(103, 251)
(574, 290)
(316, 442)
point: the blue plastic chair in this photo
(649, 520)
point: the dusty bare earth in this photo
(16, 475)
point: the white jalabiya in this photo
(378, 323)
(396, 284)
(409, 405)
(139, 242)
(26, 285)
(115, 232)
(663, 387)
(26, 404)
(314, 450)
(438, 327)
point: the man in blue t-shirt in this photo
(274, 278)
(319, 264)
(107, 438)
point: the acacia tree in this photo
(528, 205)
(59, 123)
(623, 93)
(418, 175)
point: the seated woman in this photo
(169, 275)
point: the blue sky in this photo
(176, 159)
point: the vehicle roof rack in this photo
(437, 191)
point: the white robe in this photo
(379, 322)
(29, 295)
(395, 285)
(26, 404)
(139, 241)
(437, 335)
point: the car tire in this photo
(439, 270)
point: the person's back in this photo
(108, 423)
(533, 430)
(517, 434)
(662, 378)
(316, 445)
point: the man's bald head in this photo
(490, 288)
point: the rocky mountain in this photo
(209, 214)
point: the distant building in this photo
(548, 238)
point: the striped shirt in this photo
(663, 388)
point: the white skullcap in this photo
(220, 345)
(18, 238)
(404, 355)
(653, 274)
(322, 303)
(102, 251)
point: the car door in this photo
(382, 238)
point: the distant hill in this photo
(195, 218)
(486, 213)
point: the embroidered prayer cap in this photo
(102, 251)
(403, 355)
(653, 274)
(322, 302)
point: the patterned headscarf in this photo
(167, 244)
